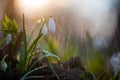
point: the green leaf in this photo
(21, 64)
(33, 45)
(2, 42)
(9, 26)
(49, 64)
(4, 24)
(15, 24)
(25, 37)
(28, 39)
(24, 77)
(34, 77)
(49, 54)
(7, 19)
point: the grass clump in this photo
(18, 50)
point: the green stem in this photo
(23, 78)
(49, 64)
(34, 77)
(33, 45)
(32, 48)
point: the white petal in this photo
(99, 43)
(4, 66)
(51, 25)
(44, 29)
(8, 38)
(115, 62)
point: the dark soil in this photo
(72, 70)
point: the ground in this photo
(72, 70)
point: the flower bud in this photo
(115, 62)
(51, 25)
(44, 29)
(8, 38)
(3, 64)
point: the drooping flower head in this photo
(44, 29)
(3, 64)
(48, 26)
(115, 63)
(51, 25)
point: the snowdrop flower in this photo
(44, 29)
(51, 25)
(3, 64)
(99, 43)
(8, 38)
(115, 62)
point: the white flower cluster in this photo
(115, 62)
(51, 26)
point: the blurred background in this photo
(83, 26)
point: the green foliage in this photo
(65, 51)
(52, 44)
(28, 52)
(70, 51)
(9, 40)
(9, 26)
(19, 48)
(48, 54)
(94, 63)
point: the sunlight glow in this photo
(31, 8)
(33, 3)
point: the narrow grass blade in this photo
(49, 64)
(23, 78)
(33, 77)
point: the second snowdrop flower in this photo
(51, 24)
(44, 29)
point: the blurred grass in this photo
(93, 60)
(64, 51)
